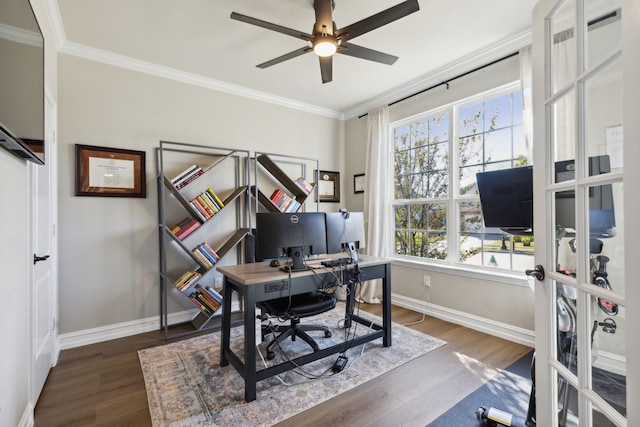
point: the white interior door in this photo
(581, 354)
(44, 288)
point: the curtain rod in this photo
(608, 16)
(446, 82)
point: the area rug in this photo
(508, 391)
(187, 387)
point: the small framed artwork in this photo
(358, 183)
(110, 172)
(329, 186)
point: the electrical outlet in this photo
(427, 281)
(217, 281)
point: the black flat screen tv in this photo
(506, 198)
(293, 235)
(21, 81)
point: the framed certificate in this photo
(358, 183)
(114, 172)
(329, 186)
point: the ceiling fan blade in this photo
(270, 26)
(378, 20)
(366, 53)
(285, 57)
(323, 16)
(326, 68)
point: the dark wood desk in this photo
(260, 282)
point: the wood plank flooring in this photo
(102, 384)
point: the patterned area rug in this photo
(187, 387)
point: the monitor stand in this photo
(296, 254)
(352, 251)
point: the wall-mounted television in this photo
(506, 197)
(21, 81)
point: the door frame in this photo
(546, 382)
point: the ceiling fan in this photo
(326, 39)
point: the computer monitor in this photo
(294, 235)
(602, 222)
(506, 198)
(345, 232)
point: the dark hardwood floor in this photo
(102, 384)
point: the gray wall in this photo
(484, 297)
(109, 246)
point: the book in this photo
(304, 185)
(197, 204)
(215, 197)
(205, 261)
(187, 280)
(202, 307)
(188, 179)
(211, 301)
(184, 173)
(205, 253)
(187, 228)
(214, 293)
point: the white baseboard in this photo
(27, 419)
(491, 327)
(120, 330)
(611, 362)
(125, 329)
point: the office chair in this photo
(302, 305)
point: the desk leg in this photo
(250, 344)
(351, 297)
(226, 322)
(386, 305)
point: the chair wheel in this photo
(327, 334)
(270, 355)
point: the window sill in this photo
(475, 272)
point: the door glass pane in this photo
(606, 237)
(567, 404)
(603, 119)
(609, 367)
(604, 33)
(563, 127)
(563, 46)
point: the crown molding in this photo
(110, 58)
(477, 59)
(19, 35)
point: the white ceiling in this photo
(199, 38)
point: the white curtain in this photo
(564, 70)
(377, 195)
(527, 101)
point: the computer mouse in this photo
(274, 263)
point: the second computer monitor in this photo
(345, 232)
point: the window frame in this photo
(451, 263)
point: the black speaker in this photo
(250, 248)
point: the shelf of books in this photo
(289, 189)
(203, 210)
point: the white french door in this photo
(583, 349)
(44, 290)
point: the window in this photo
(436, 203)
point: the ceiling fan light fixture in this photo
(325, 46)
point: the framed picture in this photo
(358, 183)
(110, 172)
(329, 186)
